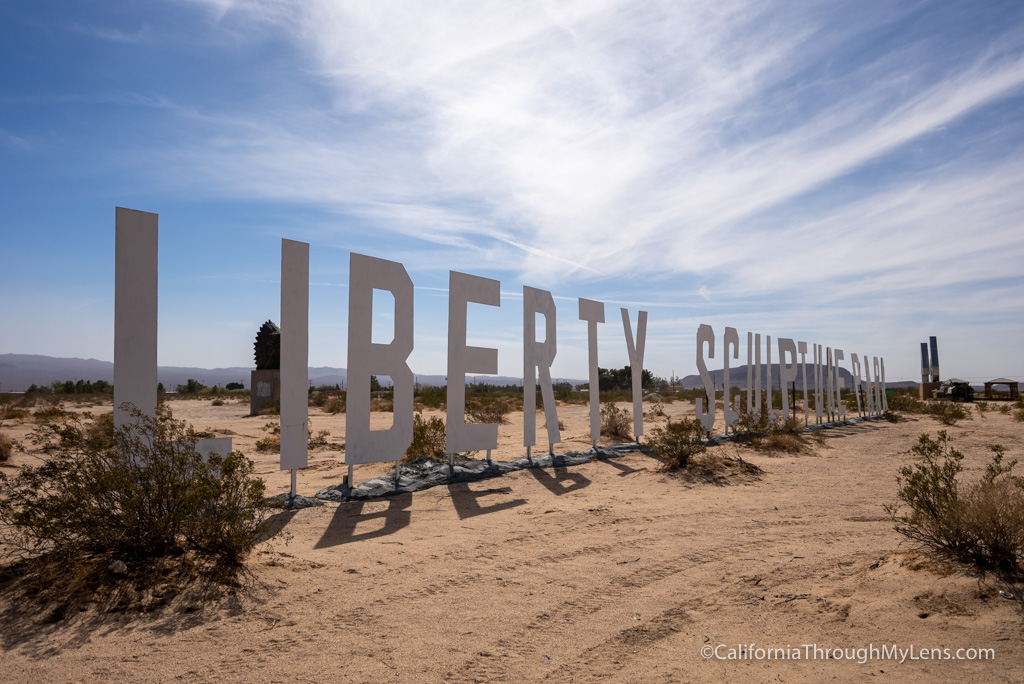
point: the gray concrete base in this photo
(265, 391)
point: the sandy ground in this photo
(610, 571)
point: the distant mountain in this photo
(738, 378)
(18, 371)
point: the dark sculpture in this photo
(268, 347)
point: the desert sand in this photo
(610, 571)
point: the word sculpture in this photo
(825, 375)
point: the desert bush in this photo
(1005, 409)
(678, 441)
(318, 439)
(657, 409)
(983, 407)
(905, 402)
(382, 404)
(980, 524)
(428, 438)
(891, 416)
(432, 397)
(749, 423)
(490, 408)
(9, 412)
(6, 447)
(49, 413)
(272, 441)
(948, 412)
(616, 422)
(1018, 415)
(335, 405)
(147, 495)
(771, 433)
(217, 402)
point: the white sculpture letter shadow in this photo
(462, 359)
(365, 358)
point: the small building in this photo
(1012, 384)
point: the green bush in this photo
(616, 422)
(678, 441)
(428, 438)
(981, 524)
(144, 495)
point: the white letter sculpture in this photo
(787, 371)
(732, 415)
(705, 335)
(365, 358)
(636, 366)
(135, 312)
(462, 359)
(538, 357)
(593, 313)
(294, 355)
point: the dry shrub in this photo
(657, 409)
(269, 443)
(335, 405)
(718, 469)
(428, 438)
(50, 413)
(382, 404)
(980, 524)
(217, 402)
(318, 439)
(6, 447)
(1018, 415)
(905, 402)
(148, 497)
(948, 412)
(271, 409)
(783, 442)
(492, 408)
(9, 412)
(678, 441)
(616, 422)
(766, 433)
(272, 442)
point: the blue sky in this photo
(844, 173)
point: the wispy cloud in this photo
(595, 138)
(112, 34)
